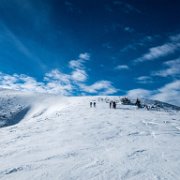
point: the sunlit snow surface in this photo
(62, 138)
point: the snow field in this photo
(63, 138)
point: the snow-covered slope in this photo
(52, 137)
(15, 106)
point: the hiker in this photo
(114, 104)
(91, 104)
(110, 104)
(94, 104)
(138, 103)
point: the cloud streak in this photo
(122, 67)
(126, 7)
(161, 51)
(20, 46)
(144, 79)
(172, 69)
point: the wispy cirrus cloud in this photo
(126, 7)
(161, 51)
(142, 42)
(122, 67)
(158, 52)
(9, 36)
(172, 69)
(144, 79)
(128, 29)
(175, 38)
(123, 6)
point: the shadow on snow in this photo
(15, 119)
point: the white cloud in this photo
(84, 56)
(20, 82)
(171, 86)
(79, 75)
(56, 75)
(56, 88)
(161, 51)
(175, 37)
(128, 29)
(26, 83)
(139, 93)
(79, 63)
(79, 70)
(122, 67)
(104, 86)
(75, 64)
(173, 69)
(57, 82)
(144, 79)
(169, 93)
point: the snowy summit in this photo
(62, 138)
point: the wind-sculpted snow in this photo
(15, 106)
(14, 118)
(63, 138)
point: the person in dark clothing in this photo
(138, 103)
(110, 104)
(91, 104)
(94, 104)
(114, 104)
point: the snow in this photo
(63, 138)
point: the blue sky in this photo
(105, 47)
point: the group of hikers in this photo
(92, 104)
(123, 101)
(112, 104)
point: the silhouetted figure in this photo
(110, 104)
(94, 104)
(138, 103)
(91, 104)
(114, 104)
